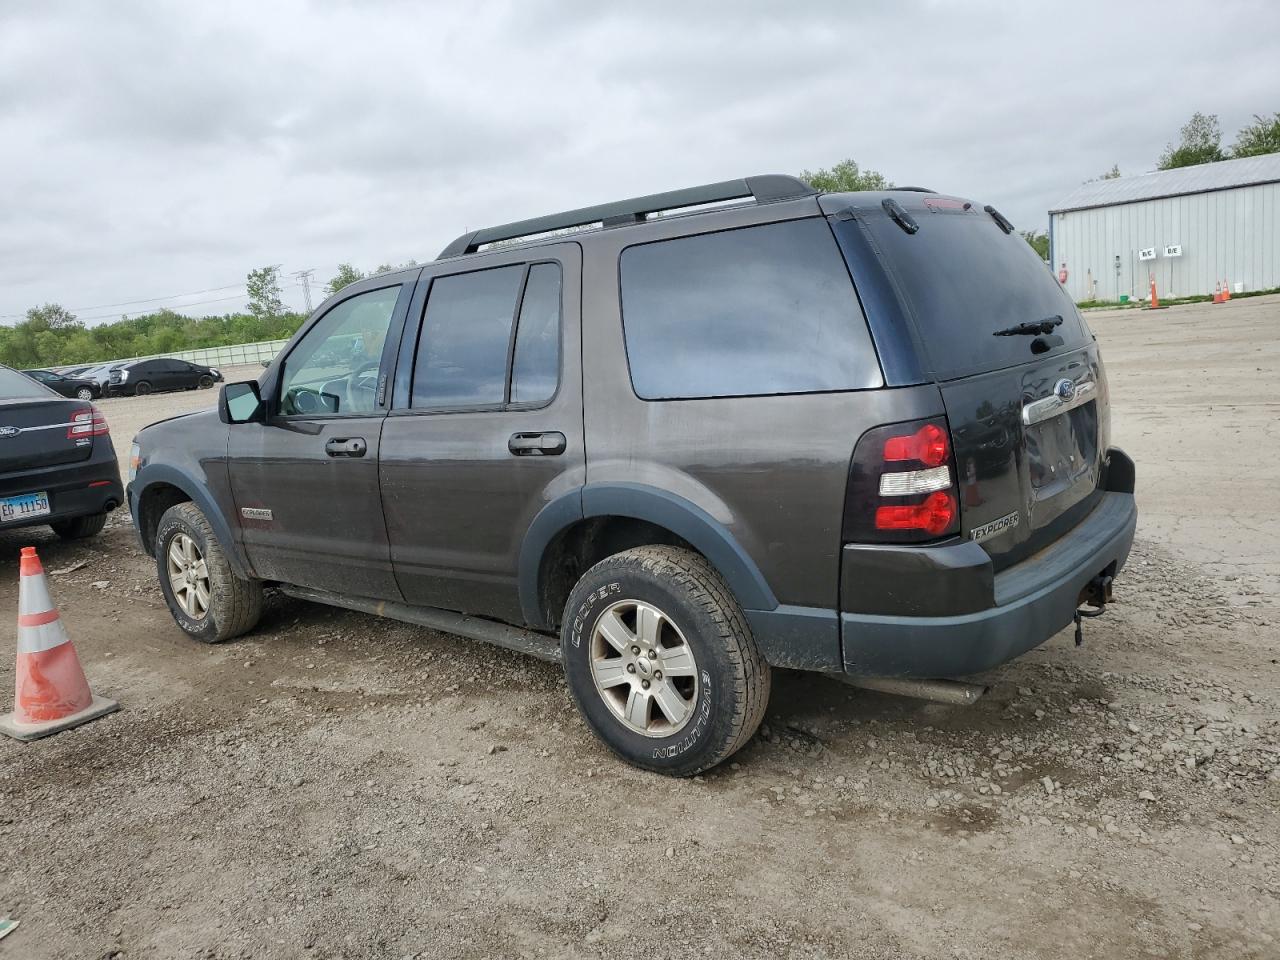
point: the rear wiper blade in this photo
(1030, 328)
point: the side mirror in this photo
(241, 403)
(266, 363)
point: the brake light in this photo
(88, 423)
(929, 445)
(934, 516)
(902, 485)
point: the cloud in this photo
(152, 147)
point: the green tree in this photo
(845, 177)
(346, 275)
(1039, 243)
(1199, 141)
(52, 316)
(1261, 136)
(263, 286)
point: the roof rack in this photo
(763, 189)
(915, 189)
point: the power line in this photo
(183, 306)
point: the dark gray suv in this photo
(694, 435)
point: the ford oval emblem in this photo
(1065, 390)
(9, 431)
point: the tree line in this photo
(52, 336)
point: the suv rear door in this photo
(487, 423)
(1027, 408)
(305, 481)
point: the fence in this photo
(231, 356)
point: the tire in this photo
(84, 393)
(79, 528)
(205, 382)
(232, 605)
(726, 691)
(142, 389)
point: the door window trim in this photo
(413, 335)
(386, 363)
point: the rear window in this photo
(963, 279)
(760, 310)
(18, 386)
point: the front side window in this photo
(333, 370)
(759, 310)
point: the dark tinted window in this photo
(15, 385)
(466, 331)
(761, 310)
(535, 371)
(964, 278)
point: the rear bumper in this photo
(1033, 601)
(75, 489)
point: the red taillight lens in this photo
(929, 445)
(88, 423)
(934, 516)
(902, 485)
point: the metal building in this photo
(1191, 228)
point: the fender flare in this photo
(172, 476)
(640, 502)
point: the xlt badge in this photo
(999, 525)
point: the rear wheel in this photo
(84, 393)
(78, 528)
(142, 389)
(661, 662)
(205, 596)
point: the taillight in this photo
(88, 423)
(902, 485)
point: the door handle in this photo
(346, 447)
(537, 444)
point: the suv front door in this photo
(486, 426)
(305, 481)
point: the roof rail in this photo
(915, 189)
(763, 189)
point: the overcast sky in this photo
(157, 148)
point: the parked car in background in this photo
(74, 371)
(57, 463)
(67, 386)
(101, 373)
(866, 434)
(163, 373)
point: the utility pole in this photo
(305, 277)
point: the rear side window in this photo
(760, 310)
(963, 279)
(472, 336)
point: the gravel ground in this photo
(341, 786)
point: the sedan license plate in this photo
(24, 505)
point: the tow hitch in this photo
(1092, 602)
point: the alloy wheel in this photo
(644, 669)
(188, 576)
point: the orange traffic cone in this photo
(1226, 290)
(1155, 300)
(51, 692)
(1217, 293)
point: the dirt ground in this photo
(335, 785)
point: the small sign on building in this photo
(1173, 250)
(1147, 253)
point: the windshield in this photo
(18, 386)
(964, 280)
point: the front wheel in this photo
(661, 662)
(205, 596)
(84, 393)
(205, 382)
